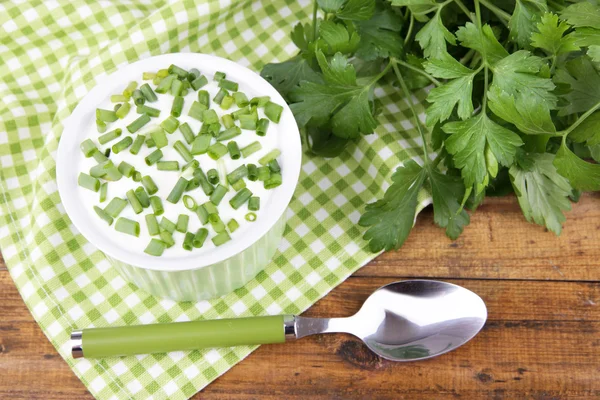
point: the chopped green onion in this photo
(180, 72)
(228, 121)
(137, 144)
(200, 237)
(162, 73)
(128, 92)
(148, 93)
(134, 202)
(273, 181)
(107, 152)
(207, 188)
(165, 85)
(109, 136)
(189, 203)
(103, 215)
(237, 174)
(273, 154)
(123, 110)
(242, 111)
(115, 206)
(262, 127)
(88, 148)
(167, 224)
(264, 173)
(216, 223)
(159, 137)
(239, 185)
(187, 132)
(210, 117)
(155, 248)
(232, 225)
(157, 206)
(213, 176)
(137, 176)
(241, 100)
(210, 208)
(182, 223)
(118, 98)
(251, 217)
(259, 101)
(167, 238)
(116, 108)
(148, 76)
(204, 129)
(112, 173)
(106, 115)
(218, 194)
(247, 122)
(219, 76)
(240, 198)
(152, 225)
(254, 203)
(252, 172)
(192, 184)
(221, 238)
(150, 111)
(156, 79)
(201, 144)
(234, 150)
(192, 74)
(100, 126)
(177, 191)
(149, 184)
(150, 142)
(103, 191)
(88, 182)
(183, 151)
(220, 96)
(176, 87)
(177, 106)
(190, 167)
(204, 98)
(142, 197)
(273, 111)
(251, 149)
(138, 123)
(170, 124)
(202, 214)
(228, 85)
(153, 157)
(122, 144)
(226, 103)
(217, 151)
(167, 165)
(126, 169)
(188, 241)
(128, 226)
(214, 129)
(138, 97)
(229, 133)
(199, 82)
(196, 110)
(274, 166)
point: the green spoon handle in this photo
(161, 338)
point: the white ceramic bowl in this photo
(194, 276)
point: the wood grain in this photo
(542, 339)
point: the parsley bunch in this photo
(514, 93)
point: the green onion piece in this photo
(187, 132)
(251, 217)
(128, 226)
(159, 137)
(221, 238)
(247, 122)
(210, 117)
(138, 123)
(138, 97)
(192, 184)
(204, 129)
(228, 85)
(100, 126)
(126, 169)
(234, 150)
(207, 188)
(155, 248)
(122, 144)
(241, 100)
(148, 76)
(153, 157)
(142, 197)
(103, 215)
(183, 151)
(186, 86)
(202, 214)
(150, 142)
(239, 185)
(242, 111)
(157, 206)
(116, 108)
(161, 73)
(232, 225)
(196, 110)
(220, 96)
(177, 106)
(128, 92)
(184, 92)
(264, 173)
(148, 93)
(149, 185)
(267, 158)
(107, 152)
(213, 176)
(150, 111)
(237, 174)
(115, 206)
(254, 203)
(182, 223)
(152, 225)
(252, 172)
(88, 148)
(167, 238)
(201, 144)
(109, 136)
(137, 176)
(103, 191)
(251, 149)
(88, 182)
(177, 191)
(259, 101)
(189, 203)
(218, 194)
(134, 202)
(219, 76)
(188, 241)
(210, 208)
(189, 167)
(118, 98)
(199, 82)
(217, 151)
(192, 74)
(273, 111)
(167, 225)
(156, 79)
(240, 198)
(106, 115)
(165, 85)
(137, 144)
(228, 121)
(273, 181)
(274, 166)
(123, 110)
(214, 129)
(112, 173)
(167, 165)
(229, 133)
(226, 103)
(176, 87)
(180, 72)
(262, 127)
(204, 98)
(216, 223)
(170, 124)
(200, 237)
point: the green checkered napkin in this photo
(51, 54)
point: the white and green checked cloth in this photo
(52, 52)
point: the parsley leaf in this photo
(543, 194)
(418, 8)
(581, 175)
(355, 10)
(447, 211)
(590, 38)
(380, 35)
(337, 38)
(588, 131)
(285, 76)
(483, 41)
(523, 20)
(584, 82)
(433, 37)
(582, 14)
(550, 36)
(331, 6)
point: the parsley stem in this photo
(464, 9)
(381, 74)
(496, 10)
(315, 9)
(412, 107)
(580, 120)
(485, 73)
(418, 71)
(410, 28)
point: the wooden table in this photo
(542, 339)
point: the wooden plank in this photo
(500, 244)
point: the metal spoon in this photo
(403, 321)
